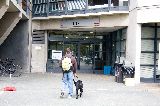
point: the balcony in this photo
(45, 8)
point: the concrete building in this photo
(97, 31)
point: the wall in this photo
(148, 14)
(39, 56)
(16, 45)
(114, 20)
(148, 2)
(132, 4)
(50, 24)
(105, 21)
(35, 25)
(148, 11)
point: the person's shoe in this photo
(62, 95)
(69, 96)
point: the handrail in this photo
(44, 8)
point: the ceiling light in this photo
(91, 32)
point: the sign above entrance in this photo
(80, 23)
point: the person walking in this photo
(69, 67)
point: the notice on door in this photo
(56, 54)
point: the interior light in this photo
(91, 32)
(87, 37)
(66, 37)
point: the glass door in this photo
(86, 57)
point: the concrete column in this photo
(86, 4)
(133, 43)
(138, 53)
(46, 49)
(30, 40)
(134, 48)
(66, 6)
(39, 56)
(109, 4)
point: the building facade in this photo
(98, 32)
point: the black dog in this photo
(79, 86)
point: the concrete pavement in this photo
(99, 90)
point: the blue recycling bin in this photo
(107, 70)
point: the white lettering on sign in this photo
(83, 22)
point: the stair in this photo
(7, 23)
(4, 5)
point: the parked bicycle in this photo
(8, 67)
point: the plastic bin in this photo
(107, 70)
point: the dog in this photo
(79, 86)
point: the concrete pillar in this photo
(7, 23)
(46, 49)
(39, 56)
(133, 43)
(4, 5)
(30, 40)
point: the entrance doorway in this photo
(84, 53)
(92, 52)
(86, 57)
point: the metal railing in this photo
(44, 8)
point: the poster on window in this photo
(56, 54)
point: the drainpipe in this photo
(155, 51)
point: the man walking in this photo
(69, 67)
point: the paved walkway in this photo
(99, 90)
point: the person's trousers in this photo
(67, 83)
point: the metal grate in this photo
(123, 43)
(38, 37)
(146, 72)
(147, 55)
(124, 33)
(39, 7)
(147, 58)
(147, 45)
(158, 41)
(123, 46)
(158, 32)
(76, 4)
(147, 32)
(157, 71)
